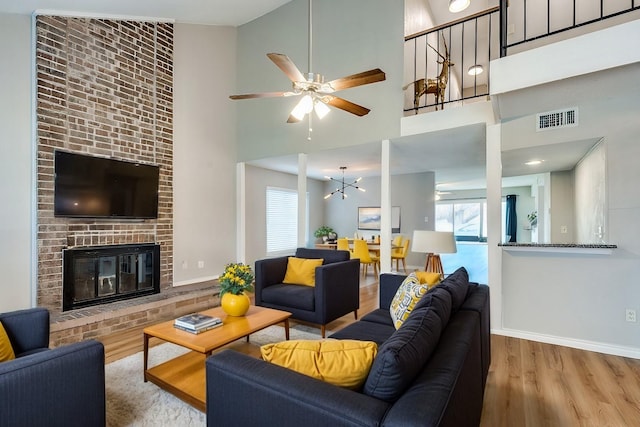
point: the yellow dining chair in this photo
(396, 246)
(343, 244)
(361, 251)
(401, 255)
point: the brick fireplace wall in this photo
(104, 88)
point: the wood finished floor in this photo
(529, 384)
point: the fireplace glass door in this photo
(96, 275)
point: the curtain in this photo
(512, 218)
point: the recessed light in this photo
(474, 70)
(534, 162)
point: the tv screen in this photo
(96, 187)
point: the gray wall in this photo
(16, 155)
(204, 151)
(562, 207)
(257, 181)
(583, 298)
(413, 193)
(344, 43)
(590, 196)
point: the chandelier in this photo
(343, 185)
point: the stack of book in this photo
(197, 323)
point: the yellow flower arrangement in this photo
(236, 279)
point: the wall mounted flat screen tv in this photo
(97, 187)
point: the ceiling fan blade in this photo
(292, 119)
(287, 66)
(348, 106)
(263, 95)
(364, 78)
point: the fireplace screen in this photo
(97, 275)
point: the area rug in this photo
(132, 402)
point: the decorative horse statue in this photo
(436, 86)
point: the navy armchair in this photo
(336, 291)
(59, 387)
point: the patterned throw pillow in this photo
(428, 277)
(407, 295)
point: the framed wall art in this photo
(369, 218)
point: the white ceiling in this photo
(212, 12)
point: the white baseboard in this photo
(615, 350)
(197, 280)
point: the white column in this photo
(494, 222)
(385, 208)
(302, 200)
(241, 212)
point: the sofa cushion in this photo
(6, 350)
(296, 296)
(366, 331)
(407, 295)
(344, 363)
(457, 284)
(301, 271)
(404, 354)
(379, 315)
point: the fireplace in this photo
(101, 274)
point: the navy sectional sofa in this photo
(432, 371)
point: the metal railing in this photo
(485, 36)
(524, 21)
(442, 57)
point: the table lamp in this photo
(433, 243)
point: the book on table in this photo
(200, 330)
(197, 321)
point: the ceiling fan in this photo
(316, 93)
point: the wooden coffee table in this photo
(184, 376)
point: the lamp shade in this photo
(438, 242)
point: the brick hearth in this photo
(99, 321)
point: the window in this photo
(466, 218)
(282, 220)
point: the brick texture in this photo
(104, 88)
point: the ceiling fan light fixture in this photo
(474, 70)
(304, 106)
(456, 6)
(321, 109)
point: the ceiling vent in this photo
(557, 119)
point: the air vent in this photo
(557, 119)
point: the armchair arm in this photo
(337, 289)
(283, 397)
(60, 387)
(269, 272)
(27, 329)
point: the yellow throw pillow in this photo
(344, 363)
(429, 278)
(406, 297)
(6, 350)
(301, 271)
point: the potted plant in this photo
(323, 232)
(234, 282)
(533, 218)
